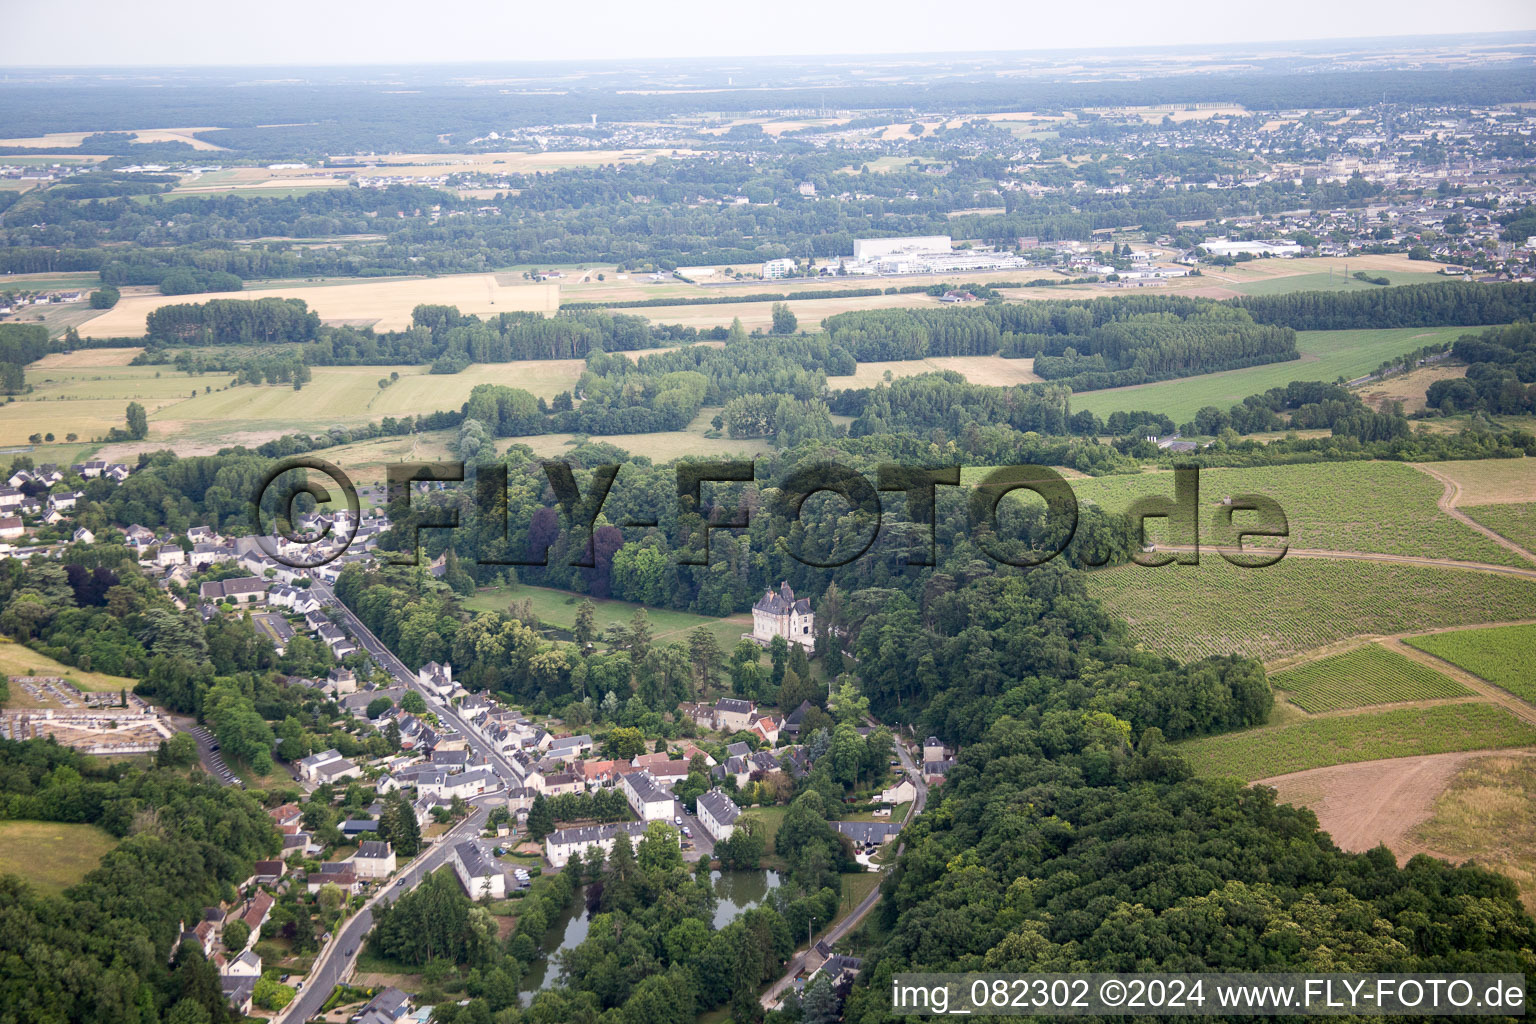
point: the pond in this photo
(736, 892)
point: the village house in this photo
(561, 846)
(646, 798)
(717, 812)
(374, 859)
(733, 715)
(478, 873)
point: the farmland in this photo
(1299, 604)
(88, 400)
(1348, 739)
(1491, 481)
(1487, 814)
(1367, 675)
(1513, 522)
(1379, 507)
(1502, 655)
(1325, 356)
(386, 304)
(51, 855)
(993, 370)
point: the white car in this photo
(678, 822)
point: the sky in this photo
(327, 32)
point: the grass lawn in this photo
(1347, 739)
(51, 855)
(1299, 604)
(1325, 355)
(559, 607)
(770, 818)
(1502, 655)
(1367, 675)
(855, 888)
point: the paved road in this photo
(336, 959)
(397, 668)
(212, 760)
(775, 992)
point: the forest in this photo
(101, 952)
(1501, 373)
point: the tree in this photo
(138, 421)
(586, 624)
(784, 321)
(624, 743)
(398, 825)
(743, 849)
(413, 702)
(541, 818)
(378, 705)
(237, 935)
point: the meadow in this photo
(558, 608)
(1488, 815)
(1502, 655)
(18, 660)
(1491, 481)
(1299, 605)
(1378, 507)
(51, 855)
(1348, 739)
(89, 400)
(993, 370)
(1513, 522)
(1325, 356)
(1364, 676)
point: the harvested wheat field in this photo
(1372, 803)
(1488, 481)
(387, 304)
(86, 357)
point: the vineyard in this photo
(1349, 739)
(1514, 522)
(1502, 655)
(1379, 507)
(1361, 677)
(1300, 604)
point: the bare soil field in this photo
(86, 357)
(1374, 802)
(387, 302)
(1489, 481)
(993, 370)
(1408, 388)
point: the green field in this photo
(1325, 355)
(1299, 604)
(81, 280)
(1338, 282)
(1367, 675)
(1380, 507)
(1348, 739)
(1513, 522)
(558, 608)
(88, 400)
(51, 855)
(1502, 655)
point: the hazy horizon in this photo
(292, 33)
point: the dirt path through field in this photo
(1448, 502)
(1374, 802)
(1350, 643)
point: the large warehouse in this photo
(874, 248)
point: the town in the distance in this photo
(545, 542)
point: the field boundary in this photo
(1447, 505)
